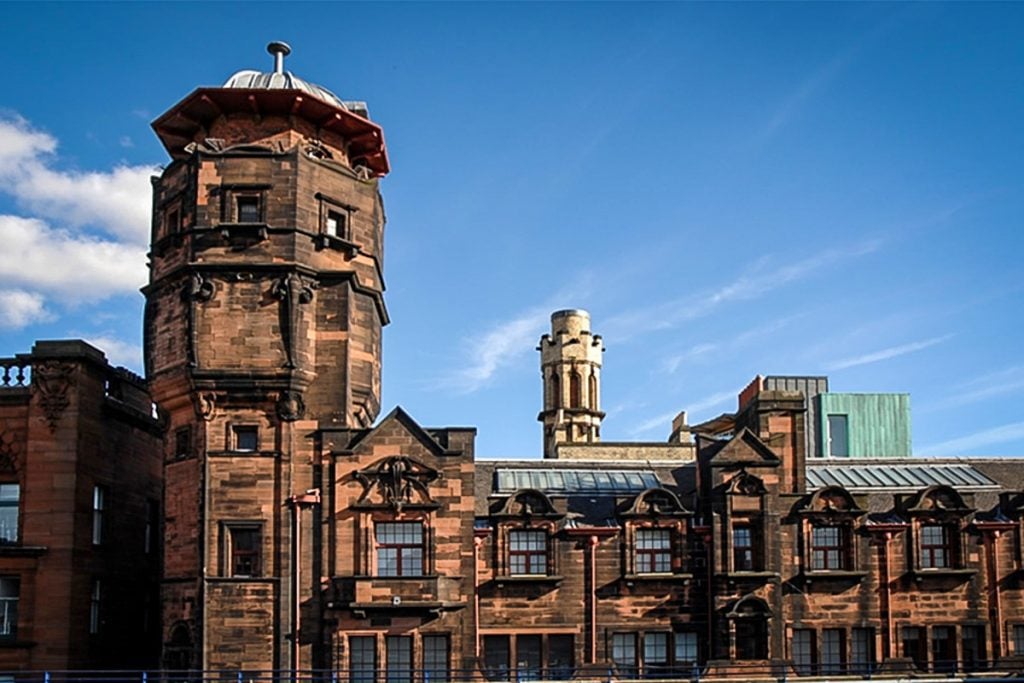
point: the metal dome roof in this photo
(279, 79)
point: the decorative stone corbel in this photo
(52, 379)
(292, 291)
(290, 406)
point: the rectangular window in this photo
(751, 638)
(10, 499)
(972, 642)
(1018, 640)
(248, 209)
(172, 221)
(915, 646)
(862, 651)
(686, 651)
(943, 649)
(398, 666)
(833, 651)
(624, 654)
(94, 607)
(10, 589)
(828, 548)
(436, 657)
(742, 548)
(336, 224)
(655, 654)
(362, 659)
(244, 542)
(653, 551)
(936, 548)
(803, 651)
(99, 503)
(528, 659)
(838, 437)
(182, 442)
(560, 657)
(528, 552)
(399, 548)
(496, 658)
(245, 438)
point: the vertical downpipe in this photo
(477, 542)
(592, 546)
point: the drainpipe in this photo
(307, 500)
(995, 598)
(477, 542)
(592, 547)
(885, 595)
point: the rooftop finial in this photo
(280, 50)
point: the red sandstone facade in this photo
(79, 517)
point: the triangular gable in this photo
(409, 425)
(745, 448)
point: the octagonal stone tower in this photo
(263, 324)
(570, 365)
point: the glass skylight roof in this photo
(575, 481)
(902, 476)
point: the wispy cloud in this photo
(886, 354)
(496, 348)
(664, 421)
(701, 352)
(82, 235)
(969, 445)
(757, 281)
(1004, 382)
(118, 351)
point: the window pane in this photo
(9, 500)
(435, 659)
(248, 209)
(973, 645)
(528, 551)
(246, 438)
(863, 650)
(832, 652)
(9, 591)
(803, 651)
(245, 550)
(528, 657)
(399, 659)
(624, 653)
(399, 548)
(914, 646)
(98, 503)
(655, 654)
(560, 657)
(362, 658)
(496, 657)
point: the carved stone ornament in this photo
(52, 379)
(745, 484)
(656, 502)
(290, 406)
(292, 290)
(397, 481)
(206, 405)
(198, 290)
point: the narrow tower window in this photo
(574, 390)
(592, 390)
(555, 398)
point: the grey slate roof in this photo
(901, 475)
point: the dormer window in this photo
(653, 551)
(937, 550)
(830, 548)
(527, 552)
(743, 548)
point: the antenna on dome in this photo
(280, 50)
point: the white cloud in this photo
(80, 236)
(886, 354)
(19, 308)
(972, 442)
(118, 352)
(77, 267)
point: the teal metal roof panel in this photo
(508, 480)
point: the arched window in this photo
(592, 390)
(574, 390)
(554, 399)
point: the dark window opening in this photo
(592, 390)
(575, 400)
(10, 590)
(944, 649)
(833, 651)
(862, 651)
(972, 641)
(560, 657)
(243, 551)
(556, 400)
(528, 657)
(751, 638)
(937, 550)
(436, 658)
(915, 646)
(803, 654)
(99, 504)
(496, 657)
(528, 552)
(182, 442)
(399, 548)
(248, 209)
(336, 224)
(742, 548)
(246, 438)
(95, 605)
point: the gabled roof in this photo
(408, 423)
(744, 448)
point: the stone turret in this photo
(570, 365)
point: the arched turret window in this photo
(554, 399)
(592, 390)
(575, 400)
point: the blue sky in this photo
(729, 189)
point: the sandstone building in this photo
(794, 536)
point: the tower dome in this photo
(279, 79)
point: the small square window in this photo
(242, 549)
(248, 207)
(336, 224)
(246, 438)
(182, 442)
